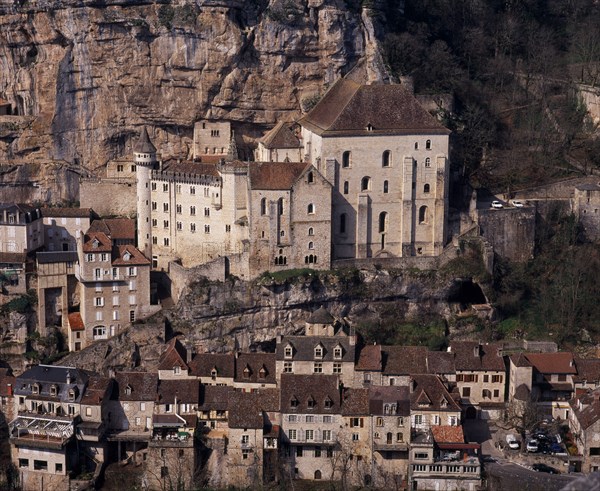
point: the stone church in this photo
(363, 174)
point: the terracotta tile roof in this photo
(370, 358)
(255, 368)
(588, 370)
(404, 360)
(355, 402)
(246, 409)
(547, 363)
(173, 356)
(440, 362)
(7, 382)
(203, 363)
(97, 390)
(281, 136)
(121, 228)
(76, 322)
(136, 258)
(144, 145)
(448, 434)
(304, 348)
(142, 384)
(474, 356)
(67, 212)
(185, 391)
(429, 394)
(318, 394)
(379, 396)
(276, 175)
(520, 360)
(104, 242)
(13, 257)
(589, 412)
(214, 397)
(348, 108)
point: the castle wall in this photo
(510, 230)
(108, 197)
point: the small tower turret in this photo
(144, 156)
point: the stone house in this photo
(213, 410)
(400, 362)
(173, 363)
(368, 369)
(21, 228)
(114, 285)
(213, 368)
(310, 422)
(480, 377)
(441, 363)
(91, 430)
(386, 158)
(586, 206)
(588, 375)
(584, 422)
(47, 402)
(255, 371)
(389, 409)
(280, 144)
(62, 226)
(212, 138)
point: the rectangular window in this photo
(193, 228)
(142, 406)
(337, 368)
(98, 274)
(154, 206)
(496, 393)
(299, 451)
(327, 419)
(99, 315)
(132, 285)
(115, 315)
(166, 241)
(421, 456)
(287, 367)
(153, 186)
(497, 379)
(115, 273)
(466, 392)
(98, 287)
(165, 188)
(207, 229)
(310, 435)
(179, 226)
(356, 422)
(165, 223)
(192, 190)
(310, 418)
(192, 210)
(71, 410)
(292, 418)
(178, 209)
(89, 258)
(292, 434)
(154, 223)
(23, 463)
(206, 212)
(418, 419)
(355, 437)
(318, 367)
(138, 421)
(326, 435)
(132, 300)
(131, 315)
(40, 465)
(166, 207)
(88, 411)
(99, 301)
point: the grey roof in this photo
(47, 376)
(144, 145)
(317, 394)
(304, 348)
(56, 257)
(320, 316)
(379, 396)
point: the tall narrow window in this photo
(426, 188)
(416, 145)
(346, 157)
(427, 162)
(383, 219)
(311, 209)
(280, 206)
(263, 206)
(423, 214)
(346, 186)
(428, 145)
(311, 231)
(310, 178)
(386, 158)
(385, 187)
(365, 183)
(343, 223)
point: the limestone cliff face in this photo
(84, 76)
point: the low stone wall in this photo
(408, 262)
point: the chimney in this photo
(69, 379)
(189, 352)
(9, 389)
(477, 350)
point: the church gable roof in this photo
(281, 136)
(349, 108)
(275, 175)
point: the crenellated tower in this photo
(144, 156)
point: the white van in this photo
(512, 441)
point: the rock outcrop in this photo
(82, 77)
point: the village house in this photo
(584, 423)
(400, 362)
(91, 430)
(173, 363)
(255, 371)
(280, 144)
(213, 368)
(369, 367)
(21, 228)
(588, 375)
(62, 226)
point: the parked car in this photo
(545, 468)
(556, 448)
(517, 204)
(512, 441)
(532, 446)
(497, 204)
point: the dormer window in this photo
(328, 403)
(95, 243)
(337, 352)
(288, 351)
(247, 372)
(319, 351)
(262, 372)
(443, 403)
(176, 370)
(71, 395)
(127, 256)
(294, 402)
(369, 127)
(213, 373)
(128, 390)
(35, 389)
(311, 403)
(53, 390)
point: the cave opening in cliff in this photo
(467, 293)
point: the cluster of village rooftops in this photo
(323, 406)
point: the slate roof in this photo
(404, 360)
(440, 362)
(13, 257)
(49, 257)
(370, 358)
(185, 391)
(136, 256)
(275, 175)
(488, 358)
(173, 356)
(389, 394)
(246, 409)
(255, 362)
(97, 390)
(305, 389)
(590, 412)
(203, 363)
(281, 136)
(214, 397)
(348, 108)
(547, 363)
(355, 402)
(588, 370)
(448, 434)
(320, 316)
(143, 386)
(429, 393)
(47, 376)
(304, 348)
(76, 322)
(144, 145)
(67, 212)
